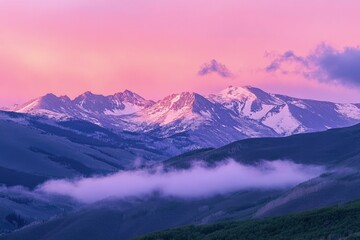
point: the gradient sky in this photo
(157, 47)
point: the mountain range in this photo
(192, 121)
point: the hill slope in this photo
(331, 148)
(113, 220)
(34, 149)
(339, 222)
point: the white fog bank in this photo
(198, 181)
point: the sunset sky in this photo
(306, 49)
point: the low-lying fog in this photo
(198, 181)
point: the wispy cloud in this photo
(325, 64)
(287, 57)
(215, 67)
(199, 181)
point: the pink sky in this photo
(157, 47)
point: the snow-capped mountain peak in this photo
(131, 98)
(90, 102)
(171, 108)
(285, 115)
(178, 101)
(120, 103)
(48, 102)
(238, 93)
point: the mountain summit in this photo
(120, 103)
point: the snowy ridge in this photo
(177, 107)
(87, 106)
(286, 115)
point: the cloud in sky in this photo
(288, 56)
(199, 181)
(325, 64)
(215, 67)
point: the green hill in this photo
(335, 223)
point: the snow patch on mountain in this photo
(348, 110)
(129, 108)
(282, 121)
